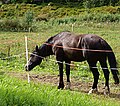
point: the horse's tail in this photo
(113, 64)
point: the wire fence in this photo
(78, 49)
(74, 64)
(53, 60)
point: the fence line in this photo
(73, 64)
(67, 48)
(56, 61)
(11, 41)
(78, 48)
(19, 55)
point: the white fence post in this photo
(27, 57)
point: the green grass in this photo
(15, 92)
(15, 41)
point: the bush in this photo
(42, 18)
(89, 17)
(29, 17)
(25, 24)
(67, 20)
(9, 25)
(100, 17)
(16, 25)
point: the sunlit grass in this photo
(18, 92)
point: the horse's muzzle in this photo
(26, 68)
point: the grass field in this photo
(16, 92)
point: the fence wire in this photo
(19, 55)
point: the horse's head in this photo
(35, 59)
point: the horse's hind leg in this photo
(103, 64)
(61, 83)
(95, 72)
(68, 75)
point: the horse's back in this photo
(78, 47)
(89, 41)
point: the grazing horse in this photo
(68, 47)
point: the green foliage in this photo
(48, 12)
(101, 17)
(13, 1)
(55, 10)
(88, 3)
(89, 17)
(60, 21)
(24, 17)
(29, 16)
(17, 92)
(16, 25)
(9, 25)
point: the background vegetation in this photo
(16, 91)
(88, 3)
(24, 17)
(38, 22)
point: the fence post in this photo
(27, 57)
(73, 26)
(8, 51)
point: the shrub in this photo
(42, 18)
(100, 17)
(15, 25)
(29, 17)
(9, 25)
(67, 20)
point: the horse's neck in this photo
(46, 50)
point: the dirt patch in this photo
(75, 84)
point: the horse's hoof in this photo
(93, 91)
(68, 85)
(60, 86)
(106, 91)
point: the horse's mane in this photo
(50, 40)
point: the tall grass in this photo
(24, 17)
(28, 23)
(17, 92)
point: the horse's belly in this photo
(75, 56)
(77, 59)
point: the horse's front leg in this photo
(68, 75)
(61, 83)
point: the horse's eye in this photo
(31, 55)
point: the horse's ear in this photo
(36, 48)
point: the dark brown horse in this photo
(68, 47)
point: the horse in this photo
(67, 47)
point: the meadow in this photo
(14, 89)
(38, 23)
